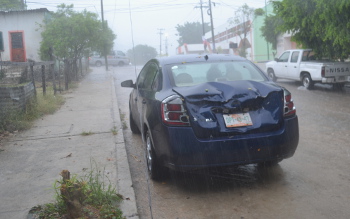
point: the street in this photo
(314, 183)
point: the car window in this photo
(295, 56)
(147, 76)
(195, 73)
(284, 57)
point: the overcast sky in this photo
(146, 17)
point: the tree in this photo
(71, 33)
(141, 54)
(11, 5)
(318, 24)
(270, 30)
(243, 20)
(191, 33)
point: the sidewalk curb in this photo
(124, 182)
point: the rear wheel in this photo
(270, 163)
(339, 86)
(271, 75)
(133, 126)
(155, 170)
(307, 81)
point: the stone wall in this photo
(15, 97)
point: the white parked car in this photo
(116, 58)
(300, 65)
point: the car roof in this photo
(198, 58)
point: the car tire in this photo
(307, 82)
(271, 75)
(120, 64)
(133, 126)
(270, 163)
(339, 86)
(155, 170)
(98, 63)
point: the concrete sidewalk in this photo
(31, 161)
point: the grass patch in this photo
(122, 118)
(114, 130)
(88, 196)
(87, 133)
(22, 119)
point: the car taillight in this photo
(173, 111)
(289, 108)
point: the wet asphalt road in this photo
(314, 183)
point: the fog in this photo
(146, 19)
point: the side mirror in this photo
(276, 59)
(128, 83)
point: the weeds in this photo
(87, 133)
(92, 195)
(22, 119)
(114, 130)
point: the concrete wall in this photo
(15, 97)
(26, 21)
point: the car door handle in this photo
(295, 67)
(135, 99)
(144, 101)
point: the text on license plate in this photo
(237, 120)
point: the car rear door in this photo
(148, 84)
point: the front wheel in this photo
(155, 170)
(271, 75)
(307, 81)
(98, 63)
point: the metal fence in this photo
(19, 80)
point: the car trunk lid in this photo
(207, 103)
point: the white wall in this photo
(25, 21)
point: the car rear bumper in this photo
(185, 151)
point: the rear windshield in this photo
(189, 74)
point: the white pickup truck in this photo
(300, 65)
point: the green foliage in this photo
(141, 54)
(191, 33)
(21, 120)
(244, 17)
(71, 34)
(318, 24)
(11, 5)
(99, 198)
(270, 30)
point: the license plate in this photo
(237, 120)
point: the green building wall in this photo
(262, 51)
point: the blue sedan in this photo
(200, 111)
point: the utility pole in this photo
(104, 30)
(267, 44)
(160, 41)
(201, 3)
(166, 44)
(212, 26)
